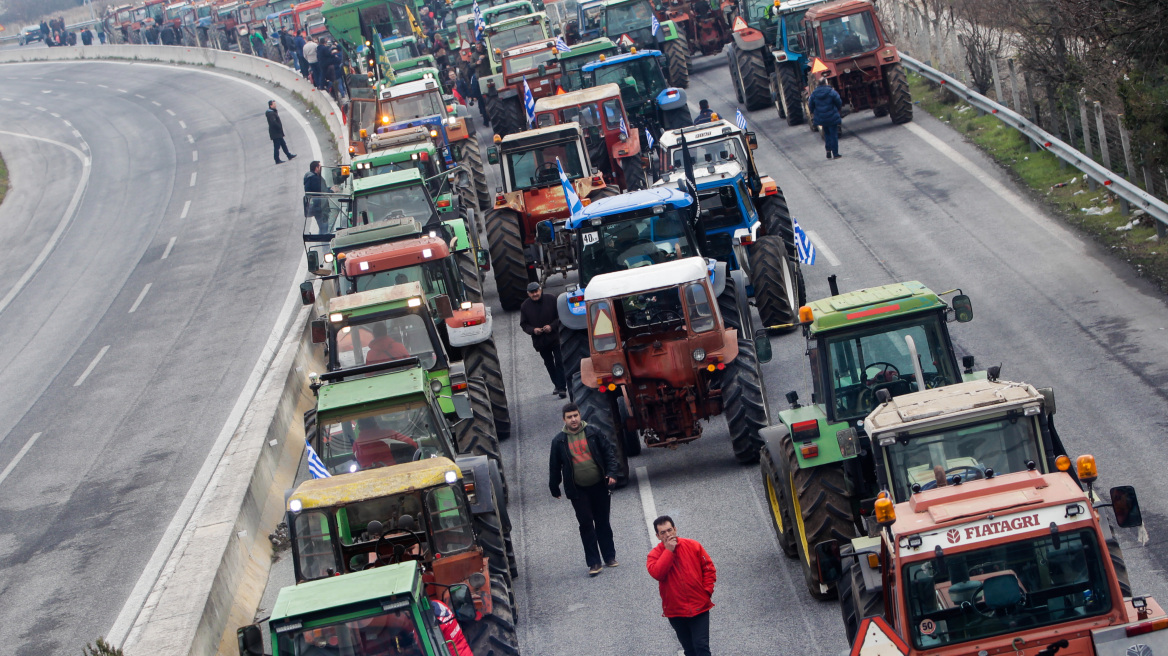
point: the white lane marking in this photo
(648, 505)
(170, 111)
(138, 95)
(122, 91)
(186, 208)
(182, 124)
(194, 175)
(45, 91)
(66, 122)
(19, 454)
(39, 108)
(156, 103)
(169, 245)
(92, 366)
(66, 218)
(103, 86)
(190, 139)
(194, 155)
(1020, 204)
(57, 79)
(76, 134)
(80, 82)
(143, 294)
(821, 246)
(6, 99)
(54, 115)
(25, 103)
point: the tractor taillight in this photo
(499, 200)
(809, 451)
(597, 179)
(443, 203)
(458, 387)
(805, 430)
(746, 240)
(473, 322)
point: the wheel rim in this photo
(797, 511)
(776, 510)
(789, 286)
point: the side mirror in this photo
(1126, 506)
(962, 308)
(251, 640)
(313, 262)
(462, 603)
(762, 347)
(752, 140)
(492, 155)
(545, 233)
(307, 293)
(445, 309)
(828, 561)
(319, 330)
(1047, 399)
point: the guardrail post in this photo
(1014, 86)
(997, 79)
(1125, 142)
(1086, 136)
(1103, 150)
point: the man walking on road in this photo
(539, 318)
(585, 460)
(276, 133)
(685, 576)
(825, 105)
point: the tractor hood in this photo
(629, 202)
(671, 98)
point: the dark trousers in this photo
(694, 632)
(592, 505)
(555, 365)
(831, 138)
(277, 144)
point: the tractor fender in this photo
(671, 98)
(626, 149)
(718, 279)
(490, 84)
(461, 335)
(668, 31)
(508, 93)
(571, 314)
(773, 436)
(738, 277)
(478, 468)
(749, 39)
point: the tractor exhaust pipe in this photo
(916, 362)
(831, 284)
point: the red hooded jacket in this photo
(685, 577)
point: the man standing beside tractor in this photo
(584, 459)
(825, 104)
(539, 318)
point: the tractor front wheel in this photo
(634, 173)
(468, 270)
(775, 280)
(790, 94)
(899, 97)
(752, 77)
(491, 537)
(1116, 554)
(507, 260)
(573, 349)
(504, 114)
(494, 634)
(677, 61)
(772, 477)
(597, 409)
(473, 157)
(776, 220)
(476, 436)
(482, 361)
(744, 403)
(856, 600)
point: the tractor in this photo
(532, 193)
(533, 64)
(849, 48)
(571, 78)
(504, 35)
(357, 23)
(440, 516)
(663, 357)
(614, 146)
(492, 13)
(629, 24)
(995, 565)
(651, 105)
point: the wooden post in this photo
(1014, 86)
(1149, 186)
(1104, 152)
(1125, 142)
(997, 80)
(1086, 136)
(1033, 107)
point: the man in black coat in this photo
(314, 206)
(276, 133)
(584, 459)
(539, 318)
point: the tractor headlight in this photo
(617, 370)
(295, 505)
(451, 477)
(699, 354)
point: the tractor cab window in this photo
(701, 313)
(1004, 445)
(537, 167)
(425, 168)
(388, 632)
(529, 62)
(545, 120)
(432, 275)
(710, 152)
(399, 202)
(380, 439)
(849, 36)
(656, 311)
(627, 17)
(362, 116)
(515, 36)
(419, 105)
(639, 79)
(603, 333)
(593, 17)
(585, 115)
(720, 208)
(997, 589)
(633, 243)
(510, 12)
(864, 361)
(793, 24)
(573, 79)
(353, 519)
(402, 52)
(612, 114)
(314, 547)
(382, 340)
(449, 521)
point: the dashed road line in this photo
(194, 155)
(6, 99)
(194, 176)
(156, 103)
(186, 208)
(138, 95)
(19, 455)
(648, 505)
(40, 109)
(92, 366)
(142, 295)
(103, 86)
(169, 245)
(81, 82)
(171, 112)
(54, 115)
(57, 79)
(25, 103)
(66, 122)
(122, 91)
(76, 134)
(821, 246)
(182, 124)
(190, 139)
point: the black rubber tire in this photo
(744, 403)
(468, 270)
(791, 94)
(573, 349)
(677, 61)
(857, 602)
(310, 427)
(508, 263)
(676, 119)
(472, 156)
(631, 437)
(1117, 561)
(774, 279)
(824, 511)
(597, 409)
(494, 634)
(776, 220)
(752, 77)
(489, 535)
(772, 478)
(476, 436)
(634, 172)
(732, 307)
(735, 77)
(506, 114)
(482, 361)
(900, 108)
(776, 95)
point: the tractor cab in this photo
(844, 31)
(589, 20)
(728, 213)
(628, 23)
(537, 64)
(612, 142)
(411, 149)
(506, 34)
(424, 259)
(398, 194)
(716, 142)
(649, 101)
(581, 53)
(492, 13)
(418, 102)
(527, 161)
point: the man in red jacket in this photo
(685, 576)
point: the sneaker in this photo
(279, 161)
(612, 563)
(594, 570)
(291, 157)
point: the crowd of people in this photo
(54, 33)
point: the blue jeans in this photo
(831, 138)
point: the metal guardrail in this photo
(1136, 197)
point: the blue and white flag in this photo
(315, 465)
(803, 242)
(528, 103)
(561, 46)
(624, 129)
(478, 21)
(739, 119)
(649, 139)
(656, 25)
(575, 207)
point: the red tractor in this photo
(847, 45)
(705, 27)
(614, 145)
(536, 63)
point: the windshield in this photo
(380, 439)
(659, 309)
(362, 116)
(382, 340)
(403, 165)
(1003, 445)
(627, 17)
(528, 62)
(502, 15)
(710, 152)
(432, 275)
(392, 632)
(996, 590)
(428, 103)
(633, 243)
(402, 52)
(639, 79)
(531, 168)
(794, 25)
(572, 79)
(848, 36)
(516, 36)
(390, 203)
(865, 361)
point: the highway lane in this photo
(128, 348)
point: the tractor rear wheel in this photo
(772, 477)
(775, 280)
(677, 60)
(1116, 553)
(790, 94)
(494, 634)
(856, 600)
(482, 361)
(507, 261)
(473, 157)
(631, 437)
(744, 403)
(468, 200)
(503, 113)
(899, 97)
(732, 308)
(468, 270)
(491, 537)
(822, 508)
(573, 349)
(597, 409)
(476, 436)
(776, 220)
(634, 172)
(752, 77)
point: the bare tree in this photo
(941, 22)
(981, 34)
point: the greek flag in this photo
(656, 25)
(739, 119)
(561, 46)
(478, 21)
(624, 129)
(528, 103)
(575, 207)
(649, 139)
(803, 242)
(315, 466)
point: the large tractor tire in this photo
(754, 87)
(494, 634)
(677, 61)
(775, 280)
(734, 309)
(630, 436)
(482, 361)
(603, 192)
(468, 270)
(505, 242)
(776, 220)
(856, 600)
(899, 97)
(506, 115)
(821, 505)
(597, 409)
(772, 483)
(491, 536)
(468, 203)
(472, 156)
(476, 436)
(675, 119)
(744, 403)
(789, 95)
(573, 349)
(634, 172)
(1116, 553)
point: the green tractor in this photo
(629, 24)
(499, 101)
(581, 53)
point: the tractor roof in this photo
(797, 5)
(378, 231)
(574, 98)
(367, 393)
(530, 47)
(357, 587)
(837, 8)
(395, 255)
(699, 133)
(409, 88)
(413, 135)
(570, 130)
(380, 296)
(373, 483)
(589, 47)
(504, 25)
(640, 279)
(873, 304)
(394, 178)
(411, 72)
(631, 202)
(708, 175)
(962, 402)
(392, 43)
(620, 59)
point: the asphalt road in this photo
(147, 246)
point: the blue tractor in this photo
(651, 104)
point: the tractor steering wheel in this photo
(547, 171)
(885, 367)
(971, 469)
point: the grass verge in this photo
(3, 179)
(1064, 191)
